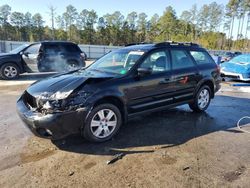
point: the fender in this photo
(108, 94)
(12, 58)
(205, 80)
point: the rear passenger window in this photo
(52, 49)
(70, 48)
(180, 59)
(201, 57)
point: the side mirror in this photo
(143, 71)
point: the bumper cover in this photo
(53, 126)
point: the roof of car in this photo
(61, 42)
(171, 44)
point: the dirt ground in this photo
(171, 148)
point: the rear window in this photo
(201, 57)
(70, 48)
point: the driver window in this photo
(157, 61)
(33, 49)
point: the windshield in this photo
(118, 62)
(18, 49)
(241, 59)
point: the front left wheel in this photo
(102, 123)
(9, 71)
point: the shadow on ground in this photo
(165, 129)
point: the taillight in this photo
(82, 56)
(218, 68)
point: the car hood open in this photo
(61, 86)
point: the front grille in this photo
(29, 99)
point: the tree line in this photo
(212, 25)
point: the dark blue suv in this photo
(44, 56)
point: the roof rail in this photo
(173, 43)
(137, 43)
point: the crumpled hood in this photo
(61, 86)
(235, 67)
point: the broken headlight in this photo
(50, 106)
(79, 98)
(71, 103)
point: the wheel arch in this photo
(209, 83)
(115, 100)
(13, 62)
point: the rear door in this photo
(154, 90)
(53, 59)
(185, 74)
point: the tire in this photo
(72, 65)
(202, 99)
(97, 130)
(9, 71)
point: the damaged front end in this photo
(52, 116)
(58, 106)
(56, 103)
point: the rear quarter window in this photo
(71, 48)
(51, 49)
(201, 57)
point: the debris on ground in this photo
(234, 175)
(116, 158)
(186, 168)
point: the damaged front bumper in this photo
(55, 125)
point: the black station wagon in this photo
(134, 80)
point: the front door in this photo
(153, 90)
(30, 56)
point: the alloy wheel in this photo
(203, 98)
(103, 123)
(10, 71)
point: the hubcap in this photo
(10, 71)
(203, 98)
(103, 123)
(72, 67)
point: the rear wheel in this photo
(72, 65)
(9, 71)
(202, 99)
(102, 123)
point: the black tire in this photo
(72, 65)
(87, 130)
(5, 71)
(196, 106)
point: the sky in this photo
(150, 7)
